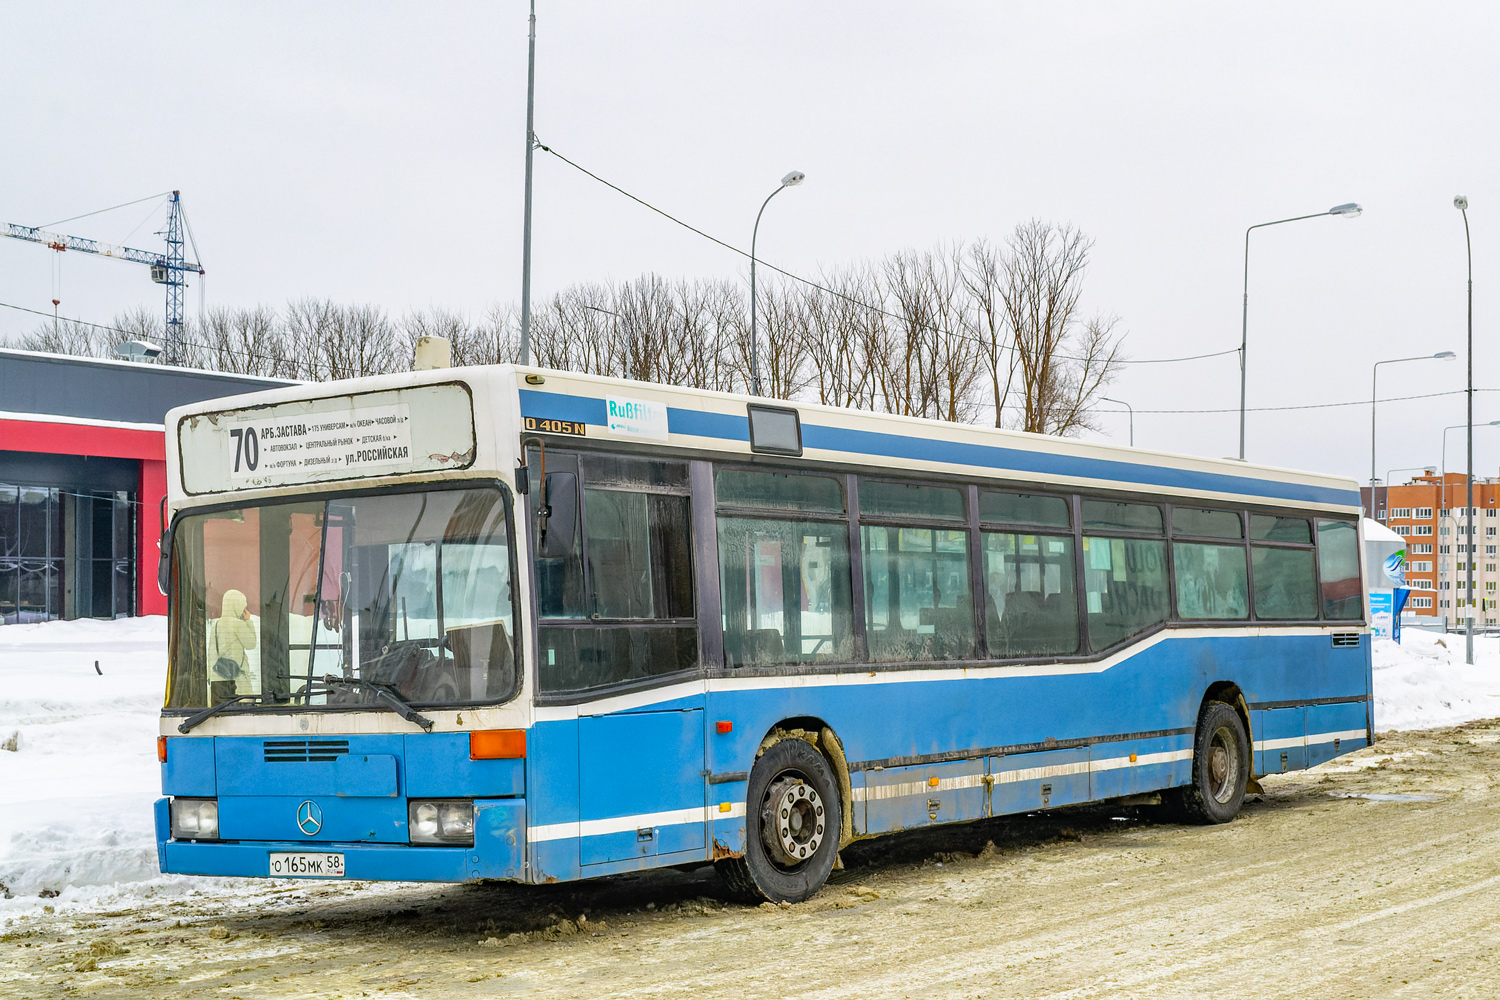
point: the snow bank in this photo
(1424, 683)
(78, 771)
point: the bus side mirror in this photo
(164, 562)
(557, 516)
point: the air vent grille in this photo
(304, 751)
(1345, 640)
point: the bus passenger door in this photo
(641, 786)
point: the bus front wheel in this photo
(792, 822)
(1221, 767)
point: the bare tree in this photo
(1061, 370)
(917, 333)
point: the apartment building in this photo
(1428, 511)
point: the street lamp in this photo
(1131, 410)
(1349, 210)
(1375, 371)
(790, 180)
(1374, 507)
(1461, 202)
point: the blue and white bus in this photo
(508, 623)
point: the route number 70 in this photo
(246, 446)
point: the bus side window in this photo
(784, 578)
(1126, 587)
(1210, 577)
(918, 604)
(1338, 565)
(635, 617)
(1031, 607)
(786, 591)
(1286, 578)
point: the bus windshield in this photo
(284, 604)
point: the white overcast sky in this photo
(373, 153)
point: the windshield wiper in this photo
(199, 717)
(385, 694)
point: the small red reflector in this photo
(725, 726)
(497, 744)
(161, 749)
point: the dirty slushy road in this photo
(1376, 875)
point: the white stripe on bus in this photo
(904, 789)
(1311, 740)
(852, 678)
(898, 790)
(628, 824)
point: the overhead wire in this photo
(832, 291)
(318, 366)
(322, 366)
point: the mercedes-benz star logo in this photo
(309, 817)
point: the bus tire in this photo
(792, 821)
(1221, 767)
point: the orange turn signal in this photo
(161, 749)
(725, 726)
(497, 744)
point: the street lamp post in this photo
(1347, 211)
(1391, 472)
(790, 180)
(1131, 410)
(1461, 203)
(525, 351)
(1374, 372)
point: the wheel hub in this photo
(792, 820)
(1223, 765)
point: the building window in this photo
(1401, 512)
(1490, 512)
(1443, 550)
(1421, 567)
(1422, 549)
(1421, 602)
(1424, 513)
(1421, 584)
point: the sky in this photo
(374, 153)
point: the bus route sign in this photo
(341, 437)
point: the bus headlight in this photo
(438, 821)
(195, 819)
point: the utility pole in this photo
(1462, 204)
(526, 224)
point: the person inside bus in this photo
(230, 639)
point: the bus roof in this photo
(597, 409)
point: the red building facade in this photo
(82, 479)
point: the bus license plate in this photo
(307, 865)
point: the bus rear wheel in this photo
(1221, 767)
(792, 821)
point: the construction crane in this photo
(170, 268)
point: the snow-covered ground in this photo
(78, 770)
(1424, 683)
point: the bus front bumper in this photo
(498, 852)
